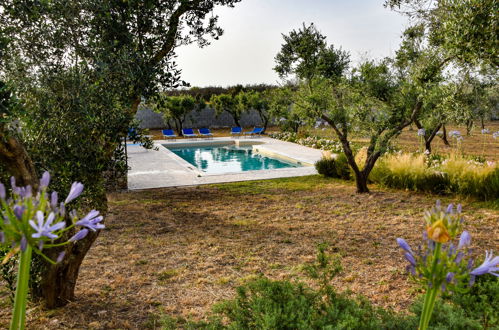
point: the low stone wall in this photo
(198, 119)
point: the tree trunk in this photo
(444, 136)
(361, 182)
(236, 120)
(469, 126)
(16, 161)
(59, 280)
(265, 123)
(429, 138)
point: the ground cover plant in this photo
(177, 251)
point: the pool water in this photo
(229, 159)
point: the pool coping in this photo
(163, 168)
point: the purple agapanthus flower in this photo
(74, 192)
(489, 265)
(43, 227)
(91, 221)
(485, 131)
(79, 235)
(464, 240)
(455, 134)
(45, 180)
(403, 244)
(495, 135)
(421, 132)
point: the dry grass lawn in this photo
(177, 251)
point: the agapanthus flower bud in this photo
(79, 235)
(410, 258)
(449, 277)
(464, 240)
(18, 211)
(449, 208)
(74, 192)
(53, 199)
(60, 256)
(2, 191)
(23, 244)
(459, 257)
(459, 208)
(45, 180)
(403, 244)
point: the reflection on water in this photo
(216, 160)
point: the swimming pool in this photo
(229, 159)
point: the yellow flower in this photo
(438, 232)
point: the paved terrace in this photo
(162, 168)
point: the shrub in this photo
(327, 167)
(268, 304)
(481, 302)
(445, 316)
(334, 167)
(409, 171)
(469, 177)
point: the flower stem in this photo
(19, 313)
(431, 293)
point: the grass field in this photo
(177, 251)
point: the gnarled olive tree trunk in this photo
(16, 161)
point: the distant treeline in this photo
(205, 93)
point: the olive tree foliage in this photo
(76, 72)
(282, 109)
(465, 29)
(229, 103)
(376, 99)
(174, 108)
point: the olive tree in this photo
(230, 104)
(369, 99)
(84, 65)
(174, 108)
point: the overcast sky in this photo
(253, 36)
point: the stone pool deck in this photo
(162, 168)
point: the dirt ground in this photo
(177, 251)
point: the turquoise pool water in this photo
(229, 159)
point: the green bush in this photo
(334, 167)
(327, 167)
(481, 302)
(445, 316)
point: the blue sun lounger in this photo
(188, 132)
(205, 132)
(234, 131)
(255, 131)
(168, 133)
